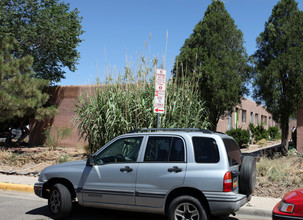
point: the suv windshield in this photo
(233, 152)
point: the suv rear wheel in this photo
(187, 207)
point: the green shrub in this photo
(273, 133)
(258, 132)
(240, 135)
(54, 138)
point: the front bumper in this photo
(38, 188)
(285, 217)
(221, 203)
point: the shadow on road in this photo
(79, 213)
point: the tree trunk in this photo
(285, 131)
(214, 122)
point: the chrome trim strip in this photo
(121, 193)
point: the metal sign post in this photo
(160, 88)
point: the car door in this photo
(163, 169)
(112, 178)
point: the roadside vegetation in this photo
(256, 134)
(126, 104)
(279, 174)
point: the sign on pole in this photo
(160, 87)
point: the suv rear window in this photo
(233, 152)
(206, 150)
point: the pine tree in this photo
(215, 56)
(278, 79)
(21, 95)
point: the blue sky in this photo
(116, 29)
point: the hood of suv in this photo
(69, 170)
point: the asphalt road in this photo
(26, 206)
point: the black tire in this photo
(248, 172)
(59, 202)
(187, 207)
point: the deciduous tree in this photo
(278, 79)
(47, 30)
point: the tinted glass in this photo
(233, 152)
(164, 149)
(177, 150)
(206, 150)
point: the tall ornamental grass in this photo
(127, 103)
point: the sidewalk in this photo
(259, 206)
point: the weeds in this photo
(282, 170)
(63, 158)
(54, 138)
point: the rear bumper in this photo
(221, 203)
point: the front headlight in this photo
(286, 207)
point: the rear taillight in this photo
(227, 182)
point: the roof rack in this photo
(206, 131)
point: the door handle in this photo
(126, 169)
(174, 169)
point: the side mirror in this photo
(90, 161)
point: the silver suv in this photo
(183, 173)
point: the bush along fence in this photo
(254, 134)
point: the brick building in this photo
(244, 114)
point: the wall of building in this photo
(65, 97)
(244, 114)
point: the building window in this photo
(256, 119)
(244, 116)
(251, 117)
(269, 121)
(265, 120)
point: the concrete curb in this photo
(17, 187)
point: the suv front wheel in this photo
(187, 207)
(59, 202)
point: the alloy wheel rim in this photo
(55, 201)
(186, 211)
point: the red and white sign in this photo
(160, 87)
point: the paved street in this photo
(26, 206)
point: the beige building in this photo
(244, 114)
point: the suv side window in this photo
(122, 150)
(164, 149)
(206, 150)
(233, 152)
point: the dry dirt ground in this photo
(275, 176)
